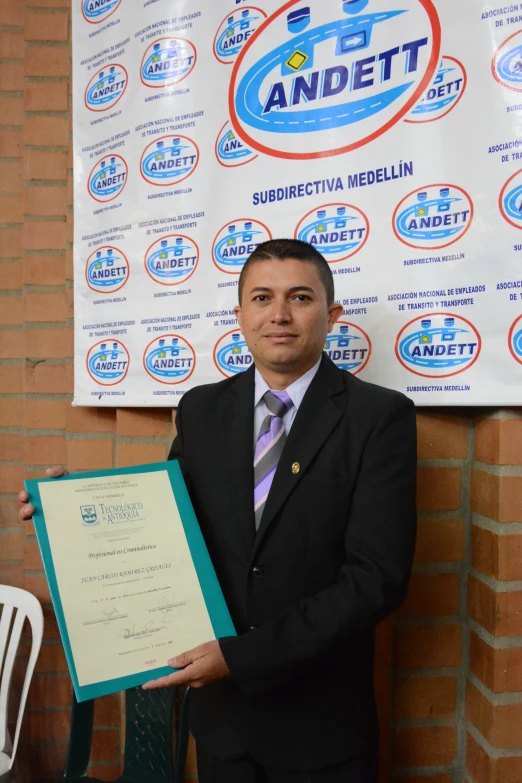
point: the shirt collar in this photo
(296, 390)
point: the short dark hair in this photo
(282, 250)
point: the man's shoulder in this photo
(372, 395)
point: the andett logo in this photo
(338, 231)
(107, 270)
(231, 354)
(329, 76)
(172, 259)
(96, 11)
(108, 178)
(349, 347)
(108, 362)
(443, 94)
(235, 30)
(167, 61)
(106, 88)
(515, 340)
(507, 63)
(230, 150)
(236, 241)
(169, 160)
(510, 200)
(432, 217)
(169, 359)
(438, 345)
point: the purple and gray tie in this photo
(269, 446)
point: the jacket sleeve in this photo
(379, 545)
(176, 450)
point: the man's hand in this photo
(199, 666)
(27, 511)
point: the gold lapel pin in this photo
(296, 467)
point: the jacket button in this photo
(252, 627)
(257, 571)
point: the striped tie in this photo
(270, 443)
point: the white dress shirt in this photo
(296, 391)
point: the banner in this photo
(382, 132)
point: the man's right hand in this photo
(27, 510)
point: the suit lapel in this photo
(236, 433)
(319, 413)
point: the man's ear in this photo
(237, 313)
(335, 311)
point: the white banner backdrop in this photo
(387, 133)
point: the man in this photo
(303, 481)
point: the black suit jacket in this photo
(331, 559)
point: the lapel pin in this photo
(296, 467)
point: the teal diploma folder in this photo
(130, 577)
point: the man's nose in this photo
(281, 312)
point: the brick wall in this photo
(449, 664)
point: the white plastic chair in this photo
(17, 605)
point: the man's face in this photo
(284, 315)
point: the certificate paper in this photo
(131, 580)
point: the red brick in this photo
(46, 757)
(499, 441)
(40, 164)
(51, 659)
(11, 412)
(43, 726)
(46, 27)
(444, 778)
(499, 557)
(11, 448)
(11, 344)
(37, 585)
(441, 436)
(13, 108)
(46, 306)
(11, 76)
(45, 200)
(11, 47)
(107, 711)
(9, 513)
(425, 746)
(106, 772)
(32, 557)
(12, 574)
(498, 613)
(484, 769)
(139, 453)
(46, 379)
(45, 235)
(44, 269)
(91, 419)
(11, 479)
(89, 454)
(143, 422)
(11, 14)
(496, 497)
(11, 378)
(438, 489)
(10, 243)
(11, 209)
(105, 744)
(45, 414)
(49, 343)
(12, 544)
(500, 724)
(10, 275)
(11, 311)
(44, 450)
(10, 143)
(42, 131)
(47, 61)
(499, 670)
(48, 692)
(50, 3)
(433, 646)
(10, 176)
(432, 595)
(424, 697)
(46, 96)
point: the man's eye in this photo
(260, 298)
(303, 297)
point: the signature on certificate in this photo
(132, 633)
(168, 608)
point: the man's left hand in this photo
(200, 666)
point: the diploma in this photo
(129, 574)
